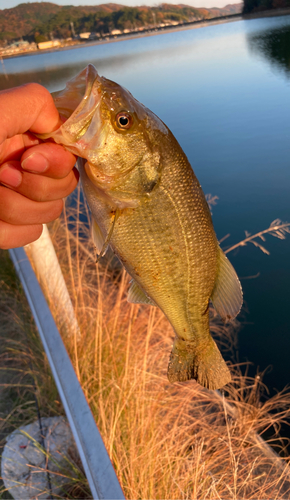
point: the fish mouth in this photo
(79, 105)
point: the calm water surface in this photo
(224, 91)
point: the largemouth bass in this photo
(148, 205)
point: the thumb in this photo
(29, 107)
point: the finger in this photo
(49, 159)
(11, 174)
(13, 148)
(29, 107)
(17, 236)
(16, 208)
(37, 187)
(40, 188)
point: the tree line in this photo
(102, 22)
(42, 21)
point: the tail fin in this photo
(205, 365)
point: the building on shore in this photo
(85, 36)
(48, 45)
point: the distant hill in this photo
(20, 20)
(40, 21)
(23, 19)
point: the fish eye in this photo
(124, 120)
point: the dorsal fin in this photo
(137, 296)
(227, 295)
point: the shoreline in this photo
(159, 31)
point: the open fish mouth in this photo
(79, 105)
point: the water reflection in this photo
(275, 46)
(55, 73)
(172, 49)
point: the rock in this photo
(24, 464)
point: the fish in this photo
(148, 206)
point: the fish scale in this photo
(147, 204)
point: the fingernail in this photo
(10, 176)
(35, 163)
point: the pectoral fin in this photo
(99, 240)
(227, 295)
(98, 237)
(137, 296)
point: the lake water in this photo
(224, 91)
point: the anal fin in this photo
(227, 295)
(137, 296)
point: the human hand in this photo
(35, 176)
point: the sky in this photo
(4, 4)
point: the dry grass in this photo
(166, 441)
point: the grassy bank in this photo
(165, 441)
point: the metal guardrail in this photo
(98, 468)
